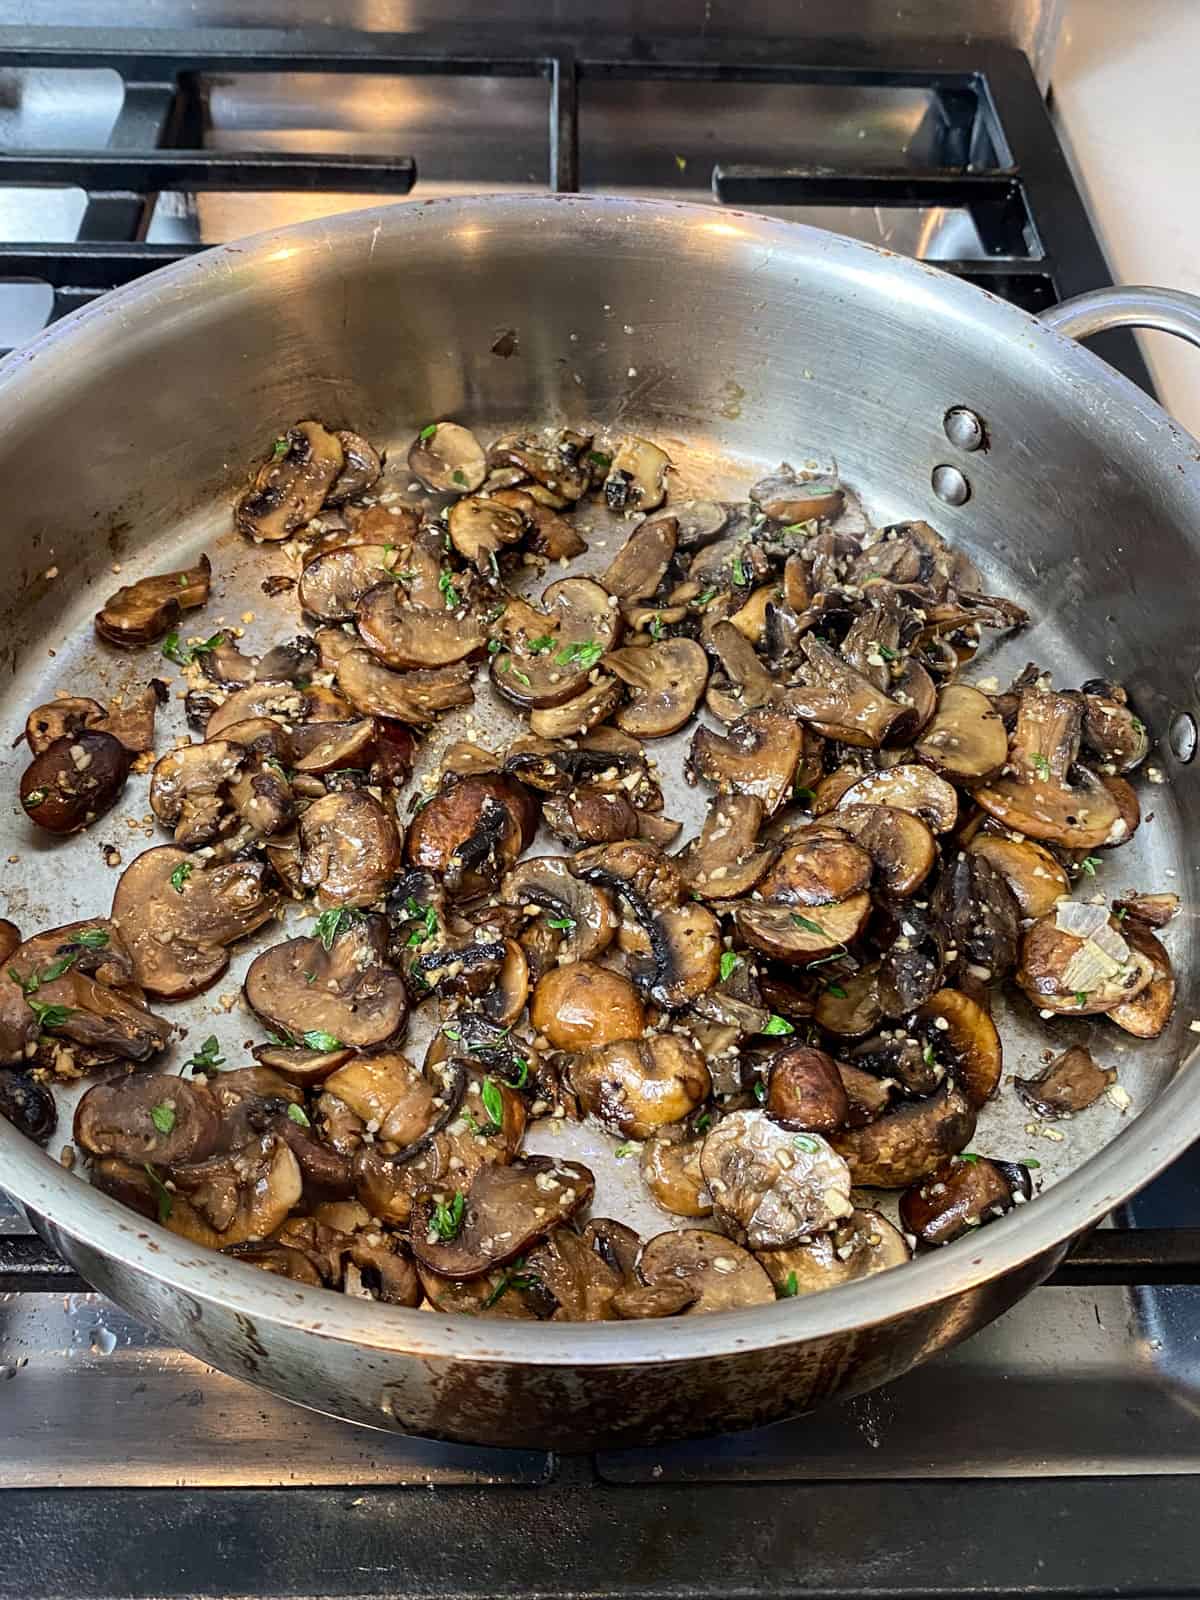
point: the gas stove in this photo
(1059, 1450)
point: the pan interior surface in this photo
(733, 344)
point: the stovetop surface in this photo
(1058, 1451)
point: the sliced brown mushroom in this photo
(507, 1209)
(591, 815)
(323, 747)
(1072, 1082)
(360, 471)
(797, 937)
(637, 478)
(579, 715)
(853, 1006)
(642, 561)
(908, 1141)
(1036, 878)
(1110, 730)
(805, 1092)
(867, 1096)
(551, 654)
(332, 583)
(588, 922)
(580, 1282)
(405, 635)
(55, 985)
(636, 1086)
(472, 831)
(284, 1261)
(959, 1195)
(757, 756)
(839, 702)
(1077, 960)
(28, 1105)
(448, 458)
(291, 485)
(901, 846)
(189, 790)
(743, 682)
(685, 955)
(908, 788)
(959, 1030)
(583, 1005)
(549, 535)
(726, 860)
(670, 1169)
(771, 1187)
(865, 1243)
(817, 867)
(1155, 910)
(1148, 1014)
(395, 1100)
(721, 1275)
(59, 719)
(697, 522)
(177, 918)
(1050, 797)
(785, 497)
(138, 613)
(10, 938)
(340, 996)
(479, 527)
(74, 781)
(300, 1065)
(278, 702)
(979, 914)
(666, 682)
(966, 738)
(416, 698)
(502, 1292)
(245, 1194)
(350, 849)
(150, 1117)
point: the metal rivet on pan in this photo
(950, 485)
(1182, 736)
(964, 428)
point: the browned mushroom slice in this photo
(299, 1065)
(141, 612)
(966, 739)
(552, 653)
(552, 467)
(591, 815)
(283, 1260)
(1072, 1082)
(635, 1086)
(74, 780)
(726, 860)
(177, 917)
(585, 912)
(909, 788)
(405, 635)
(685, 955)
(1036, 879)
(642, 561)
(291, 485)
(245, 1194)
(633, 868)
(583, 1005)
(839, 702)
(410, 697)
(360, 471)
(279, 702)
(666, 682)
(865, 1243)
(978, 914)
(1148, 1014)
(960, 1195)
(350, 849)
(504, 1292)
(59, 719)
(472, 831)
(479, 527)
(391, 1096)
(851, 1006)
(332, 583)
(670, 1169)
(342, 997)
(507, 1209)
(804, 1091)
(549, 534)
(1155, 910)
(822, 866)
(913, 687)
(785, 497)
(579, 715)
(637, 478)
(150, 1117)
(771, 1187)
(757, 756)
(958, 1028)
(722, 1275)
(187, 790)
(901, 846)
(580, 1283)
(28, 1105)
(1077, 960)
(448, 458)
(743, 684)
(908, 1141)
(796, 937)
(322, 747)
(1110, 729)
(867, 1096)
(1050, 797)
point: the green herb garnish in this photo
(447, 1220)
(279, 449)
(49, 1016)
(318, 1039)
(703, 599)
(426, 916)
(161, 1192)
(739, 571)
(1137, 724)
(93, 939)
(887, 652)
(298, 1115)
(1081, 997)
(493, 1103)
(778, 1025)
(428, 432)
(563, 924)
(729, 964)
(806, 1142)
(805, 796)
(522, 1076)
(967, 1155)
(28, 985)
(449, 592)
(598, 459)
(543, 642)
(809, 925)
(788, 1289)
(34, 798)
(515, 672)
(163, 1116)
(512, 1278)
(583, 653)
(629, 1148)
(57, 968)
(760, 1090)
(1089, 865)
(928, 1057)
(208, 1058)
(1029, 1161)
(494, 647)
(1041, 766)
(181, 875)
(459, 477)
(656, 628)
(330, 923)
(836, 990)
(702, 1122)
(184, 654)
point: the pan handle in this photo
(1133, 306)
